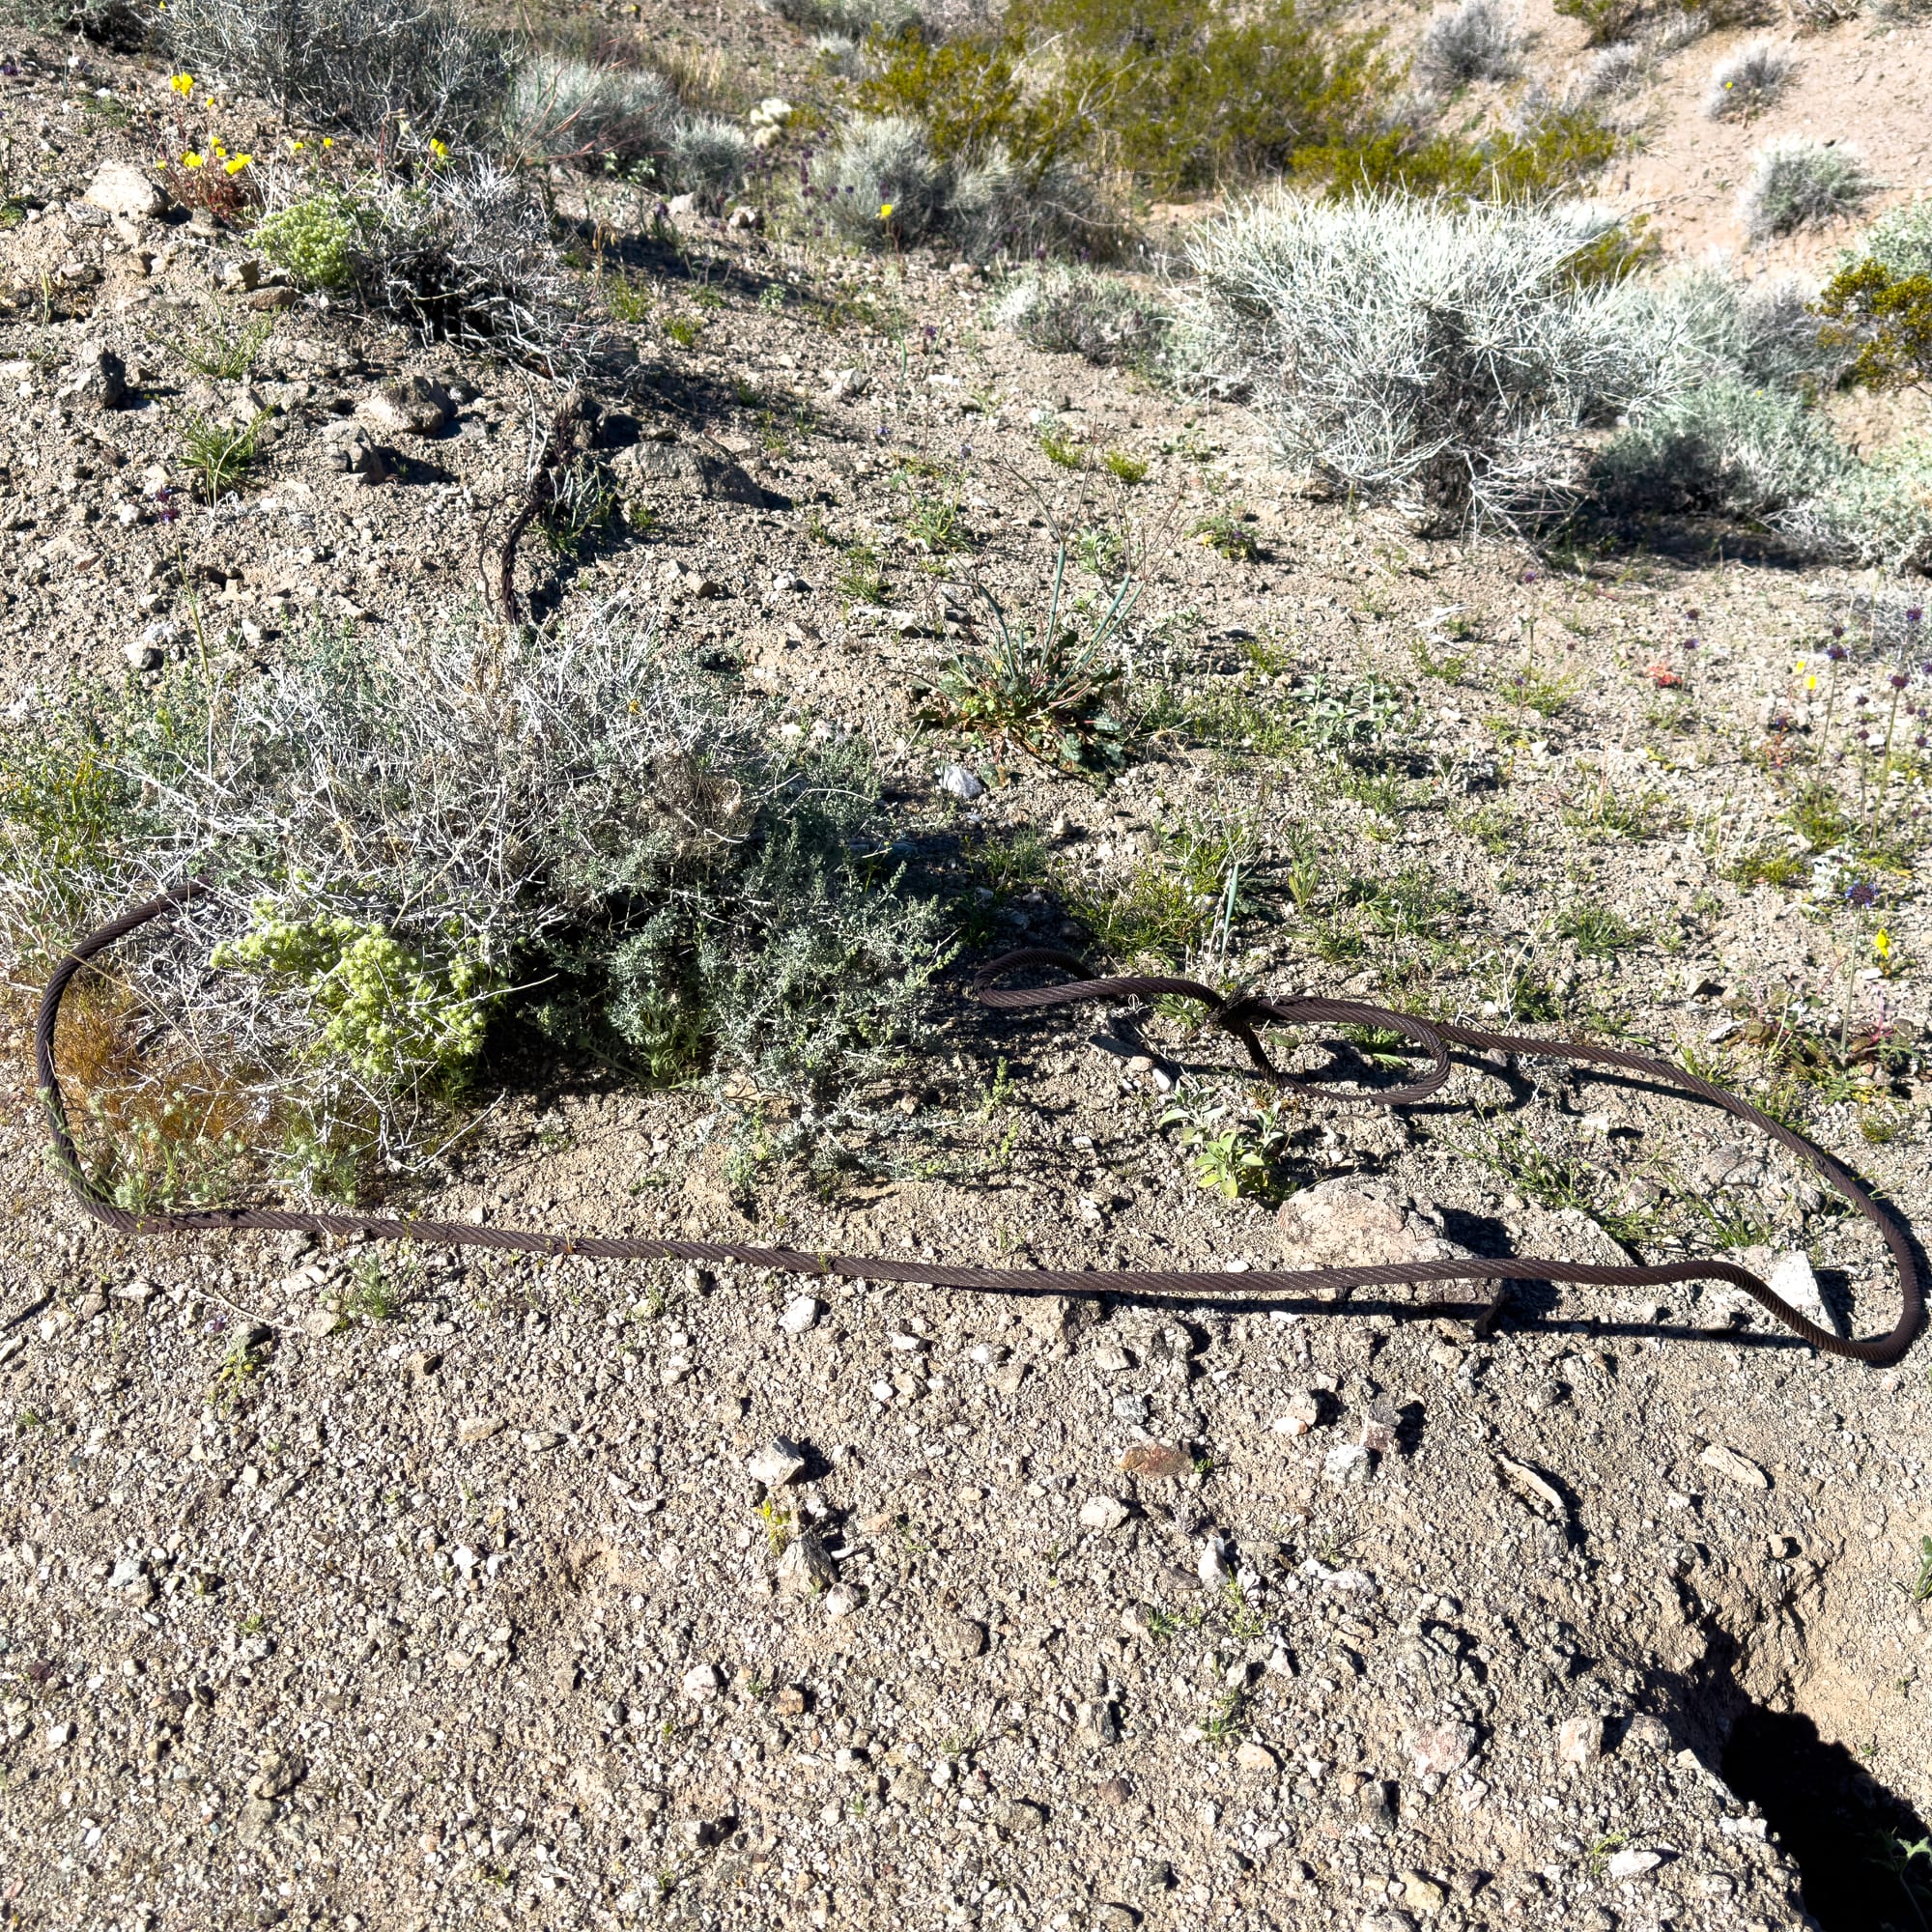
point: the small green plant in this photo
(236, 1377)
(686, 330)
(1047, 692)
(1768, 864)
(772, 298)
(1245, 1623)
(779, 1525)
(220, 350)
(1100, 548)
(376, 1294)
(1058, 450)
(312, 238)
(860, 580)
(1226, 1720)
(937, 526)
(1235, 1152)
(221, 454)
(1599, 932)
(1125, 467)
(1228, 535)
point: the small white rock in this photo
(801, 1314)
(1212, 1565)
(1632, 1865)
(700, 1682)
(840, 1601)
(775, 1465)
(1103, 1513)
(958, 782)
(1739, 1468)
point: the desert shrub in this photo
(1878, 512)
(1444, 358)
(1002, 206)
(1182, 94)
(1723, 448)
(709, 157)
(882, 184)
(561, 109)
(463, 254)
(356, 64)
(1555, 151)
(1480, 40)
(313, 237)
(411, 838)
(1611, 71)
(1078, 311)
(1877, 307)
(1665, 23)
(1801, 183)
(1746, 82)
(853, 19)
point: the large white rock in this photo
(123, 189)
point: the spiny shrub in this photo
(1444, 358)
(709, 157)
(1004, 207)
(463, 254)
(413, 838)
(1081, 312)
(882, 182)
(363, 65)
(1746, 82)
(1720, 448)
(574, 110)
(1801, 183)
(1481, 40)
(1611, 71)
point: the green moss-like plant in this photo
(312, 238)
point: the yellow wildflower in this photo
(240, 162)
(329, 140)
(190, 160)
(1882, 943)
(182, 83)
(438, 149)
(886, 211)
(220, 153)
(296, 147)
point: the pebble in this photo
(842, 1599)
(957, 781)
(1422, 1893)
(411, 407)
(1442, 1748)
(1633, 1863)
(1739, 1468)
(775, 1465)
(1581, 1741)
(321, 1322)
(1348, 1463)
(1103, 1513)
(540, 1442)
(478, 1428)
(1536, 1490)
(1301, 1412)
(801, 1314)
(1257, 1758)
(123, 189)
(700, 1682)
(1212, 1566)
(805, 1567)
(958, 1639)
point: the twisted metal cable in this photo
(1243, 1015)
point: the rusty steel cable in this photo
(1243, 1014)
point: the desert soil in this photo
(1085, 1613)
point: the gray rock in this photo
(100, 379)
(958, 1639)
(805, 1568)
(122, 188)
(686, 470)
(411, 407)
(957, 781)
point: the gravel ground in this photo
(351, 1588)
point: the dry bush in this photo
(1481, 40)
(1076, 310)
(1445, 358)
(1803, 184)
(410, 836)
(562, 109)
(364, 65)
(1746, 82)
(881, 183)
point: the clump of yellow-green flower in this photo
(312, 237)
(395, 1017)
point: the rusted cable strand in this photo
(1243, 1014)
(538, 497)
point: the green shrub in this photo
(1803, 184)
(1556, 152)
(1878, 306)
(413, 836)
(312, 237)
(1077, 311)
(1180, 94)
